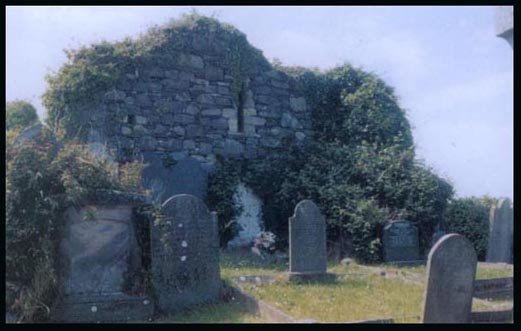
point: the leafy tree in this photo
(19, 114)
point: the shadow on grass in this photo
(219, 312)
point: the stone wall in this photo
(185, 105)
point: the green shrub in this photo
(470, 218)
(359, 167)
(19, 114)
(41, 183)
(221, 188)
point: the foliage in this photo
(221, 188)
(43, 179)
(470, 218)
(19, 114)
(359, 167)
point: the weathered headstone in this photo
(451, 269)
(189, 177)
(501, 236)
(307, 240)
(98, 247)
(185, 254)
(100, 261)
(250, 217)
(400, 242)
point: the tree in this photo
(469, 217)
(19, 114)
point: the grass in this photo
(484, 272)
(360, 295)
(348, 299)
(244, 263)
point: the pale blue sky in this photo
(451, 73)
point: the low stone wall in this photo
(493, 288)
(495, 316)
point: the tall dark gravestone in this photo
(451, 270)
(189, 177)
(157, 178)
(400, 242)
(307, 240)
(185, 254)
(501, 236)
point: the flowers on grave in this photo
(264, 244)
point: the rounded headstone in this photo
(451, 270)
(307, 239)
(185, 254)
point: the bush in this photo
(19, 114)
(359, 167)
(41, 183)
(470, 218)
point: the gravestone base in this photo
(106, 308)
(311, 276)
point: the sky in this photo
(452, 75)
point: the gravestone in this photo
(451, 270)
(156, 177)
(250, 217)
(98, 247)
(100, 264)
(185, 254)
(500, 242)
(189, 177)
(400, 242)
(307, 240)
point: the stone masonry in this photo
(185, 106)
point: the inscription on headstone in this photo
(307, 239)
(97, 249)
(400, 242)
(185, 254)
(501, 236)
(451, 270)
(99, 265)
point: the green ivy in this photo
(470, 218)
